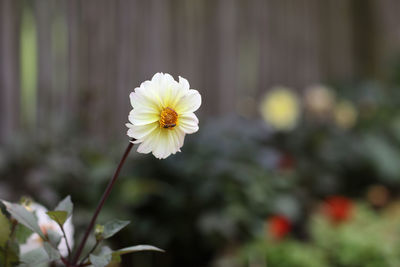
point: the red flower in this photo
(338, 208)
(278, 226)
(286, 162)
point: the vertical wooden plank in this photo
(59, 51)
(337, 40)
(365, 38)
(248, 62)
(266, 12)
(210, 53)
(190, 47)
(127, 23)
(387, 17)
(227, 56)
(43, 15)
(76, 90)
(9, 66)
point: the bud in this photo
(98, 232)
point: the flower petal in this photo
(178, 137)
(141, 131)
(139, 117)
(184, 83)
(160, 147)
(188, 103)
(189, 123)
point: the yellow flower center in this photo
(168, 118)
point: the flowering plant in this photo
(30, 235)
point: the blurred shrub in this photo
(231, 176)
(365, 239)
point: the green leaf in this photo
(52, 253)
(54, 237)
(24, 217)
(9, 256)
(100, 261)
(22, 233)
(113, 227)
(35, 258)
(117, 254)
(58, 216)
(65, 205)
(5, 229)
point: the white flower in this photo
(162, 115)
(46, 224)
(319, 101)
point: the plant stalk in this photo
(101, 203)
(66, 242)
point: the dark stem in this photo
(101, 203)
(90, 252)
(66, 242)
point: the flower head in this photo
(345, 114)
(46, 224)
(278, 226)
(280, 108)
(319, 101)
(338, 208)
(286, 162)
(162, 114)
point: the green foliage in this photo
(283, 254)
(52, 253)
(24, 217)
(100, 261)
(65, 205)
(5, 229)
(365, 240)
(9, 256)
(35, 258)
(229, 178)
(111, 228)
(58, 216)
(22, 233)
(115, 256)
(54, 238)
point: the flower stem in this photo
(66, 242)
(101, 203)
(90, 252)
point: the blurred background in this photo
(297, 160)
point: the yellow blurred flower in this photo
(280, 108)
(319, 101)
(345, 114)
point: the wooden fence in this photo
(79, 59)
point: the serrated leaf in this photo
(52, 253)
(22, 233)
(5, 229)
(65, 205)
(24, 217)
(100, 261)
(113, 227)
(59, 216)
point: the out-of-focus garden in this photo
(297, 159)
